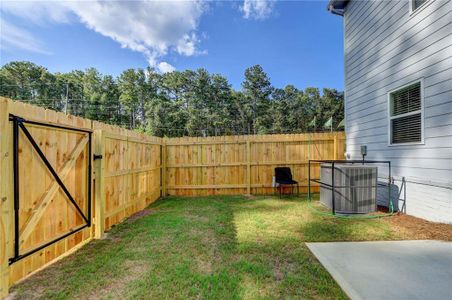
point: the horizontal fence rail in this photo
(110, 173)
(131, 173)
(243, 164)
(61, 163)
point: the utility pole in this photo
(67, 98)
(254, 115)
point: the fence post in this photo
(248, 166)
(163, 167)
(99, 203)
(335, 147)
(6, 198)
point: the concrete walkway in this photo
(389, 270)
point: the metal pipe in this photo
(390, 204)
(349, 161)
(19, 257)
(18, 124)
(89, 177)
(333, 186)
(16, 184)
(334, 190)
(54, 125)
(309, 179)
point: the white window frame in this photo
(390, 118)
(415, 11)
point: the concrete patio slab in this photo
(389, 270)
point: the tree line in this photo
(179, 103)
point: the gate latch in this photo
(97, 156)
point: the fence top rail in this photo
(257, 136)
(267, 138)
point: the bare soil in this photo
(140, 214)
(410, 227)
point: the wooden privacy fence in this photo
(64, 180)
(130, 168)
(243, 164)
(54, 196)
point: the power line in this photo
(112, 111)
(59, 84)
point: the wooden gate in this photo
(47, 184)
(52, 184)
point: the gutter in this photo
(337, 7)
(338, 12)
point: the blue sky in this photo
(296, 42)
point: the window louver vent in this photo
(418, 3)
(406, 115)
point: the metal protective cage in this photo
(333, 187)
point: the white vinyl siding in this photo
(405, 115)
(386, 49)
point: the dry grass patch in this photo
(116, 287)
(222, 247)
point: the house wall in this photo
(387, 47)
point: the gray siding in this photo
(387, 47)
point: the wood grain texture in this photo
(44, 211)
(6, 198)
(130, 173)
(135, 170)
(243, 164)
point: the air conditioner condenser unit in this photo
(355, 187)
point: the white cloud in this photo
(153, 28)
(15, 37)
(257, 9)
(38, 12)
(165, 67)
(187, 45)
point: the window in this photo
(415, 4)
(405, 115)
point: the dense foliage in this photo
(194, 103)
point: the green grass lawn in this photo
(222, 247)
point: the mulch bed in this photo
(416, 228)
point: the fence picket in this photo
(135, 170)
(245, 163)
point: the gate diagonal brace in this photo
(45, 200)
(54, 173)
(18, 123)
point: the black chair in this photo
(283, 176)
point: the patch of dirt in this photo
(197, 218)
(11, 296)
(208, 257)
(115, 238)
(140, 214)
(416, 228)
(204, 265)
(277, 272)
(131, 270)
(250, 197)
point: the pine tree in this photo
(257, 90)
